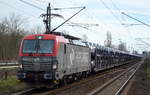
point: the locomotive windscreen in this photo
(38, 46)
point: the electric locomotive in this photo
(52, 57)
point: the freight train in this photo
(58, 57)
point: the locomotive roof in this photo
(66, 35)
(55, 34)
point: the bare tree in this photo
(37, 30)
(122, 46)
(108, 41)
(11, 33)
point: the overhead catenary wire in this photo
(91, 18)
(105, 5)
(145, 44)
(118, 9)
(109, 9)
(83, 25)
(42, 1)
(136, 19)
(113, 12)
(19, 10)
(138, 39)
(125, 28)
(115, 6)
(51, 8)
(88, 14)
(32, 5)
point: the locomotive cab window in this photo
(38, 46)
(65, 47)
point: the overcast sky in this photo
(106, 13)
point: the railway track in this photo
(87, 86)
(33, 91)
(83, 87)
(24, 92)
(116, 85)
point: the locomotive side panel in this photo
(61, 60)
(72, 59)
(77, 59)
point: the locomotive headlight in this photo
(54, 66)
(20, 66)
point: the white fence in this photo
(8, 62)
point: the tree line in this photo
(11, 33)
(10, 37)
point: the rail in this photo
(114, 83)
(23, 92)
(125, 84)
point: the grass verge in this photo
(148, 71)
(12, 84)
